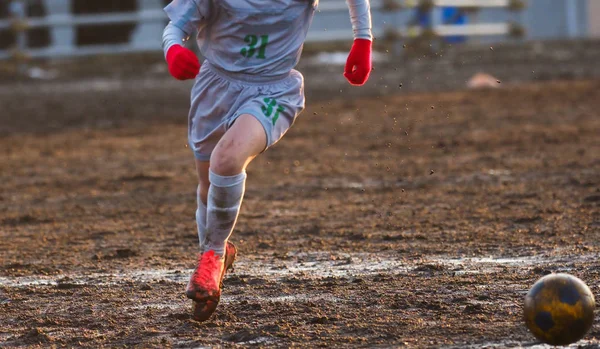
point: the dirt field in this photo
(417, 220)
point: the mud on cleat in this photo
(205, 283)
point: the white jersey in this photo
(254, 37)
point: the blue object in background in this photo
(450, 15)
(453, 15)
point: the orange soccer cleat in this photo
(205, 283)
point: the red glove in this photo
(358, 65)
(183, 63)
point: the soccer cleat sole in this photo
(203, 310)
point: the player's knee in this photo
(225, 163)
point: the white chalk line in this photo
(314, 265)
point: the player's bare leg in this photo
(201, 194)
(225, 179)
(239, 146)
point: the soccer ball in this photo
(559, 309)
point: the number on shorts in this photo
(267, 109)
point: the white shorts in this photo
(218, 98)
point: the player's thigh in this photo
(242, 142)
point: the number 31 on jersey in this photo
(251, 49)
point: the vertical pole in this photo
(474, 19)
(147, 34)
(62, 38)
(522, 20)
(436, 19)
(571, 17)
(18, 13)
(593, 15)
(582, 15)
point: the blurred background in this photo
(36, 36)
(53, 28)
(426, 45)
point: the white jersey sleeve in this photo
(172, 35)
(188, 15)
(360, 16)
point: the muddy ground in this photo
(417, 220)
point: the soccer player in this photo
(245, 97)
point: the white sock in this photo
(201, 220)
(224, 200)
